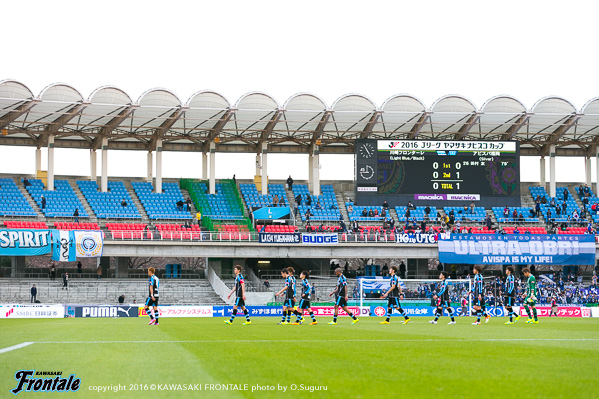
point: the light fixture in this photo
(263, 261)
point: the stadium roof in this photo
(298, 125)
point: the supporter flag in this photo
(63, 246)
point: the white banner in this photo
(31, 311)
(89, 244)
(183, 311)
(320, 239)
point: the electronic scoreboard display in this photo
(419, 167)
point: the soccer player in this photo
(291, 306)
(153, 297)
(394, 295)
(239, 291)
(307, 290)
(530, 301)
(443, 300)
(288, 292)
(285, 275)
(510, 295)
(479, 296)
(341, 297)
(553, 307)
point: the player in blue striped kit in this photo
(442, 299)
(510, 295)
(239, 291)
(394, 295)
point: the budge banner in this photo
(320, 239)
(522, 249)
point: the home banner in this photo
(518, 249)
(24, 242)
(89, 244)
(63, 246)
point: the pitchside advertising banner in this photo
(226, 311)
(320, 239)
(416, 238)
(520, 249)
(31, 311)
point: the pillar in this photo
(552, 171)
(587, 167)
(597, 173)
(316, 172)
(204, 166)
(104, 178)
(17, 265)
(158, 166)
(310, 172)
(258, 164)
(122, 267)
(264, 169)
(51, 163)
(543, 180)
(150, 166)
(93, 173)
(212, 168)
(38, 160)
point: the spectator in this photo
(275, 200)
(52, 272)
(410, 205)
(565, 194)
(342, 226)
(266, 282)
(350, 209)
(180, 205)
(370, 213)
(516, 231)
(188, 203)
(385, 205)
(33, 294)
(79, 267)
(234, 180)
(99, 272)
(122, 299)
(391, 223)
(488, 222)
(376, 212)
(76, 215)
(199, 217)
(364, 212)
(65, 280)
(26, 183)
(402, 270)
(43, 202)
(355, 226)
(309, 200)
(506, 212)
(543, 200)
(281, 201)
(427, 210)
(384, 213)
(407, 214)
(575, 216)
(472, 206)
(564, 207)
(552, 202)
(317, 206)
(123, 203)
(295, 209)
(289, 183)
(558, 211)
(515, 215)
(537, 208)
(298, 199)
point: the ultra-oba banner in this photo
(521, 249)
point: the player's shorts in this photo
(290, 303)
(304, 303)
(341, 301)
(442, 304)
(530, 302)
(393, 302)
(150, 302)
(510, 301)
(239, 302)
(479, 302)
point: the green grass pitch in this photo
(555, 359)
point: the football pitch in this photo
(555, 359)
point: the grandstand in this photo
(12, 200)
(60, 202)
(162, 205)
(114, 204)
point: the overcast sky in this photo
(478, 49)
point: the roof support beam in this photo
(113, 124)
(370, 125)
(57, 124)
(165, 126)
(270, 126)
(467, 126)
(560, 131)
(424, 118)
(217, 128)
(16, 113)
(515, 128)
(320, 128)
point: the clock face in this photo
(367, 172)
(366, 150)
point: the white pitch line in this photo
(19, 346)
(316, 340)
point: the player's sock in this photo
(450, 311)
(353, 316)
(479, 313)
(510, 312)
(437, 315)
(156, 315)
(289, 316)
(534, 312)
(233, 314)
(527, 311)
(150, 313)
(312, 316)
(334, 318)
(283, 317)
(403, 313)
(389, 311)
(246, 313)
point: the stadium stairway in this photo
(339, 197)
(107, 291)
(40, 216)
(142, 211)
(193, 208)
(83, 200)
(579, 203)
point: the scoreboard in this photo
(437, 170)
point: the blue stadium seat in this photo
(12, 200)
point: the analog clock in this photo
(367, 150)
(367, 172)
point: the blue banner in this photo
(272, 213)
(225, 311)
(411, 238)
(381, 310)
(63, 246)
(283, 238)
(24, 242)
(518, 249)
(320, 239)
(381, 283)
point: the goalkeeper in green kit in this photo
(530, 300)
